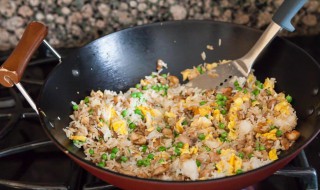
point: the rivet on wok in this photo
(315, 91)
(75, 72)
(310, 111)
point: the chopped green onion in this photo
(91, 151)
(115, 150)
(124, 113)
(162, 148)
(207, 149)
(159, 129)
(145, 88)
(201, 136)
(124, 159)
(155, 87)
(245, 91)
(161, 160)
(279, 133)
(250, 155)
(86, 99)
(164, 75)
(104, 156)
(90, 111)
(75, 107)
(198, 163)
(180, 144)
(175, 133)
(289, 98)
(184, 122)
(219, 151)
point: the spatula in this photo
(242, 66)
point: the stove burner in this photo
(29, 161)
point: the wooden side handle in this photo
(13, 68)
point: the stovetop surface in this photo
(47, 165)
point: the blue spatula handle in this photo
(285, 13)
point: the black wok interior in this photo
(118, 61)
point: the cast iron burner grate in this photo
(28, 159)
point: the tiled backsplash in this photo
(73, 23)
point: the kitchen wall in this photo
(74, 23)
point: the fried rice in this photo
(162, 129)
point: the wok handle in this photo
(286, 12)
(13, 68)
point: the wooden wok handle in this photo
(13, 68)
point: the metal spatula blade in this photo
(242, 67)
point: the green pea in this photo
(219, 151)
(145, 88)
(239, 171)
(144, 148)
(245, 91)
(139, 163)
(75, 107)
(91, 151)
(124, 159)
(86, 99)
(112, 156)
(162, 148)
(198, 163)
(164, 75)
(138, 85)
(180, 144)
(159, 129)
(279, 133)
(132, 126)
(238, 88)
(241, 155)
(236, 83)
(102, 164)
(124, 113)
(223, 112)
(202, 103)
(261, 147)
(138, 111)
(256, 92)
(150, 156)
(208, 149)
(222, 125)
(115, 150)
(177, 151)
(161, 160)
(201, 136)
(289, 98)
(184, 122)
(224, 134)
(104, 156)
(272, 127)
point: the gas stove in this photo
(29, 160)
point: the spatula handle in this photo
(12, 69)
(286, 12)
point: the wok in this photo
(118, 61)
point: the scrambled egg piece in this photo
(120, 127)
(211, 66)
(271, 135)
(78, 138)
(201, 122)
(186, 150)
(170, 115)
(268, 84)
(282, 107)
(273, 154)
(178, 126)
(217, 115)
(204, 110)
(233, 164)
